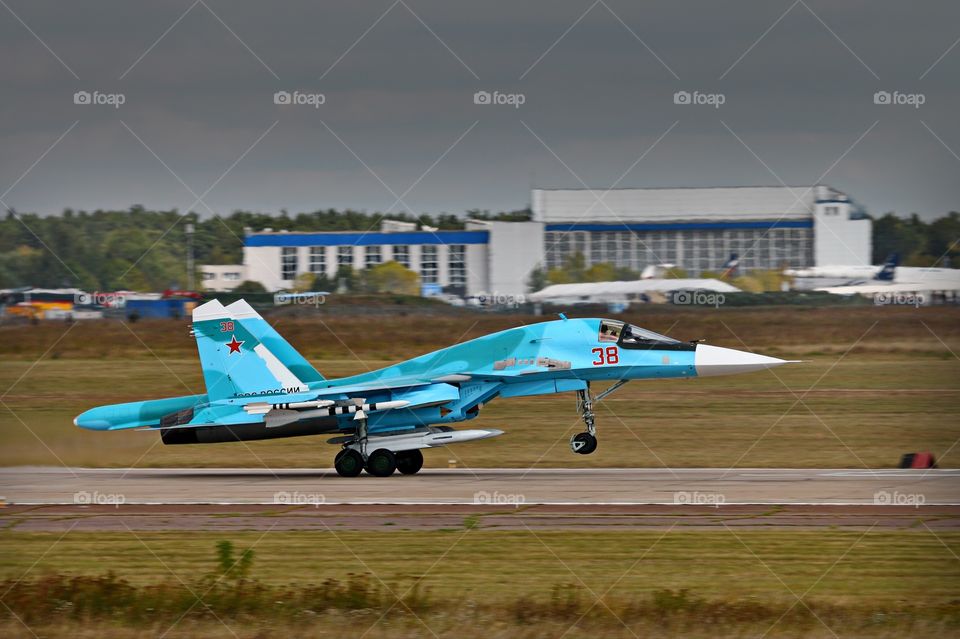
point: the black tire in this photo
(409, 462)
(381, 463)
(348, 463)
(583, 443)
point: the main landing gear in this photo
(586, 442)
(382, 462)
(348, 463)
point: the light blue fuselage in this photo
(448, 385)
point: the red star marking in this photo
(234, 345)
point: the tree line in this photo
(139, 249)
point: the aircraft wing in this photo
(401, 382)
(366, 387)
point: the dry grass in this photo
(880, 567)
(401, 584)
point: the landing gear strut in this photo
(350, 462)
(586, 442)
(382, 462)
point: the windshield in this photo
(636, 335)
(630, 336)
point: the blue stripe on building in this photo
(685, 226)
(368, 239)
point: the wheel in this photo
(381, 463)
(409, 462)
(583, 443)
(348, 463)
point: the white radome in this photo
(716, 360)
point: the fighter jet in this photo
(259, 387)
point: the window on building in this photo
(578, 243)
(597, 253)
(458, 265)
(372, 256)
(232, 275)
(288, 262)
(401, 255)
(831, 210)
(612, 246)
(344, 256)
(208, 276)
(428, 264)
(318, 260)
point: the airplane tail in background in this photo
(235, 363)
(269, 337)
(886, 274)
(730, 266)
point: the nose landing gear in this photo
(586, 442)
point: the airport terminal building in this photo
(696, 229)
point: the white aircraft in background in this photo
(651, 286)
(890, 279)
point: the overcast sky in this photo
(399, 120)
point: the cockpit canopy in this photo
(630, 336)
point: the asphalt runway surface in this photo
(481, 487)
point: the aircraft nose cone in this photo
(715, 360)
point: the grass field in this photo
(871, 584)
(876, 383)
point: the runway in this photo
(497, 487)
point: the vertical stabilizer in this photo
(269, 337)
(234, 362)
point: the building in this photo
(693, 228)
(698, 228)
(221, 278)
(467, 262)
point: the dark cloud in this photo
(400, 98)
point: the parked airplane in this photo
(890, 279)
(652, 285)
(260, 387)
